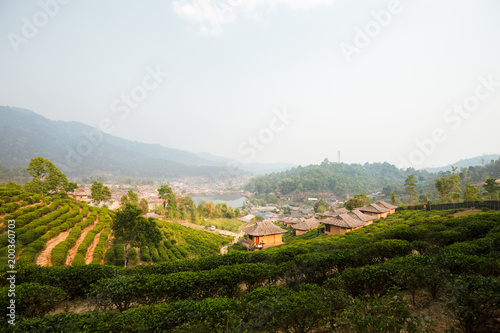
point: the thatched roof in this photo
(82, 191)
(292, 220)
(307, 224)
(247, 218)
(362, 217)
(334, 212)
(386, 205)
(345, 221)
(264, 228)
(378, 207)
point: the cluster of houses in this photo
(336, 222)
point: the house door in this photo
(256, 240)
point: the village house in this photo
(306, 225)
(331, 213)
(262, 235)
(379, 209)
(81, 194)
(290, 221)
(342, 223)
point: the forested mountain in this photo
(80, 150)
(474, 161)
(337, 178)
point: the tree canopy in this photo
(134, 229)
(47, 178)
(99, 192)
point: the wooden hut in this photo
(379, 209)
(342, 223)
(263, 234)
(306, 225)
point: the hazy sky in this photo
(368, 78)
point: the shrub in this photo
(79, 259)
(145, 254)
(32, 299)
(132, 255)
(474, 302)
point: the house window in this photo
(327, 228)
(250, 237)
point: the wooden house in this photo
(306, 225)
(81, 194)
(331, 213)
(291, 221)
(379, 209)
(263, 234)
(342, 223)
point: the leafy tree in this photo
(447, 184)
(47, 179)
(209, 209)
(472, 193)
(354, 203)
(321, 206)
(492, 188)
(71, 187)
(258, 218)
(144, 206)
(165, 192)
(359, 200)
(393, 198)
(132, 196)
(123, 200)
(410, 187)
(286, 186)
(99, 192)
(135, 230)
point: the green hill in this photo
(59, 232)
(337, 178)
(414, 272)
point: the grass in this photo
(232, 225)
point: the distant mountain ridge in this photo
(78, 150)
(465, 163)
(256, 168)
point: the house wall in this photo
(334, 230)
(271, 240)
(267, 240)
(378, 216)
(251, 240)
(300, 232)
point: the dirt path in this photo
(90, 251)
(74, 249)
(43, 258)
(467, 212)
